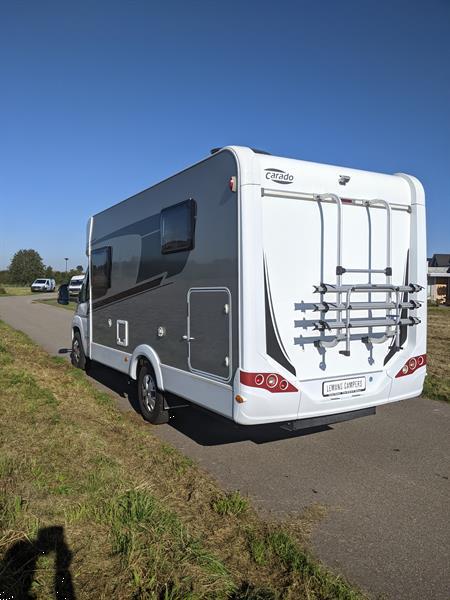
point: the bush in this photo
(2, 291)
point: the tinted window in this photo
(84, 292)
(178, 227)
(101, 271)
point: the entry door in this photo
(209, 331)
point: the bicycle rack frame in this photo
(343, 325)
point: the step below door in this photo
(209, 331)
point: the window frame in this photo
(192, 204)
(108, 273)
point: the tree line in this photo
(27, 265)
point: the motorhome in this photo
(75, 284)
(263, 288)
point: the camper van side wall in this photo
(164, 271)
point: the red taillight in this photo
(412, 365)
(259, 378)
(268, 381)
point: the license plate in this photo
(344, 386)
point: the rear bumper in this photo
(309, 404)
(328, 419)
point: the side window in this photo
(178, 227)
(100, 271)
(84, 292)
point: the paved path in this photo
(384, 480)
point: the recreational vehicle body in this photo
(263, 288)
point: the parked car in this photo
(43, 285)
(75, 285)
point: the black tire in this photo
(151, 399)
(77, 356)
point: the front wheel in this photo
(77, 357)
(151, 400)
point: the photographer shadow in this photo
(18, 567)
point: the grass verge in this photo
(15, 290)
(94, 505)
(437, 381)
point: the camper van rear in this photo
(295, 295)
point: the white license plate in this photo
(344, 386)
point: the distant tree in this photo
(25, 267)
(80, 268)
(49, 272)
(61, 277)
(4, 276)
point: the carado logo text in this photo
(279, 176)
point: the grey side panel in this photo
(148, 289)
(209, 331)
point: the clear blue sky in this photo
(99, 100)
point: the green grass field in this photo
(16, 290)
(437, 382)
(94, 505)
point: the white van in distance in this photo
(43, 285)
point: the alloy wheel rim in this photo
(148, 389)
(76, 350)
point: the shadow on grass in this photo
(18, 568)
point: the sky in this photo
(99, 100)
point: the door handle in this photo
(186, 338)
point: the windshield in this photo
(40, 281)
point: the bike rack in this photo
(344, 306)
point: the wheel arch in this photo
(146, 352)
(78, 325)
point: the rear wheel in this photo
(77, 357)
(151, 399)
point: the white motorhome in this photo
(263, 288)
(75, 285)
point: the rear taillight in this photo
(268, 381)
(412, 365)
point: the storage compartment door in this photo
(209, 331)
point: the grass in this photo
(124, 514)
(15, 290)
(437, 381)
(231, 503)
(53, 302)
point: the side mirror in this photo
(63, 294)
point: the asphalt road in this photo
(383, 480)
